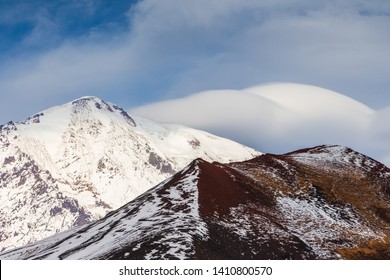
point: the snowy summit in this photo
(72, 164)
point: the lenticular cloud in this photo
(280, 117)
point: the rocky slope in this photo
(326, 202)
(72, 164)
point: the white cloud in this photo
(175, 47)
(280, 118)
(239, 43)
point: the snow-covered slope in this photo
(163, 217)
(73, 163)
(291, 206)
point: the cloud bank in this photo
(280, 118)
(147, 51)
(138, 52)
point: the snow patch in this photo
(317, 224)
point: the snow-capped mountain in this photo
(72, 164)
(326, 202)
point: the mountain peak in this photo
(241, 210)
(72, 163)
(93, 103)
(335, 156)
(322, 149)
(88, 97)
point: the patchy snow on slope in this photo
(171, 222)
(246, 226)
(334, 156)
(317, 223)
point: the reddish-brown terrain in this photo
(326, 202)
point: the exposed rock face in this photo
(327, 202)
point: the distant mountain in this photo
(71, 164)
(326, 202)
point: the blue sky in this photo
(39, 25)
(137, 52)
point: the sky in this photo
(134, 53)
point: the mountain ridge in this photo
(71, 164)
(269, 207)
